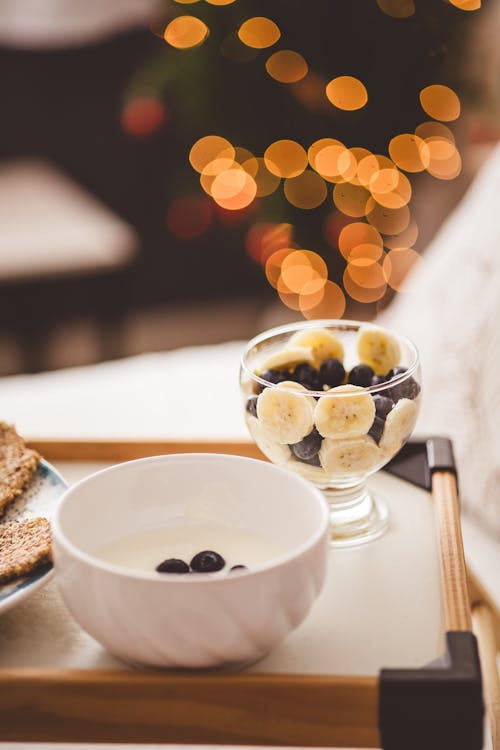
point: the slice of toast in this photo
(24, 547)
(17, 464)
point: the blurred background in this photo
(192, 171)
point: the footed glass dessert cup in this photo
(334, 401)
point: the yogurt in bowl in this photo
(114, 529)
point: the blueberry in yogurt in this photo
(207, 561)
(383, 406)
(409, 388)
(361, 375)
(332, 372)
(172, 565)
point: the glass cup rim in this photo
(329, 323)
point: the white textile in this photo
(451, 309)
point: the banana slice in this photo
(276, 452)
(399, 425)
(286, 416)
(346, 415)
(378, 348)
(354, 456)
(286, 358)
(321, 342)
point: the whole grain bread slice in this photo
(17, 464)
(24, 547)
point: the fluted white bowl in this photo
(195, 620)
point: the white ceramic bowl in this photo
(194, 620)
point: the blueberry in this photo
(238, 567)
(275, 376)
(251, 406)
(332, 372)
(409, 388)
(361, 375)
(377, 428)
(308, 376)
(207, 561)
(383, 405)
(378, 380)
(308, 447)
(172, 565)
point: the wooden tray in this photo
(432, 706)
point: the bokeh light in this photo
(307, 190)
(366, 273)
(409, 152)
(302, 270)
(264, 238)
(351, 199)
(404, 239)
(184, 32)
(187, 2)
(259, 32)
(446, 162)
(360, 293)
(440, 102)
(466, 4)
(233, 189)
(329, 302)
(398, 264)
(208, 149)
(142, 116)
(387, 220)
(397, 8)
(287, 66)
(347, 92)
(359, 234)
(266, 181)
(335, 163)
(273, 264)
(391, 188)
(431, 129)
(285, 158)
(369, 166)
(220, 2)
(189, 217)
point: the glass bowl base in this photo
(357, 516)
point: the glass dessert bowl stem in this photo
(356, 515)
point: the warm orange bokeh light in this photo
(351, 199)
(184, 32)
(404, 239)
(265, 181)
(189, 217)
(387, 220)
(273, 264)
(208, 149)
(219, 2)
(358, 154)
(347, 92)
(366, 273)
(233, 189)
(259, 32)
(446, 163)
(308, 190)
(386, 192)
(397, 8)
(335, 163)
(287, 66)
(369, 166)
(142, 116)
(358, 234)
(466, 4)
(331, 303)
(440, 102)
(431, 129)
(360, 293)
(302, 268)
(409, 152)
(285, 158)
(318, 146)
(398, 264)
(264, 238)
